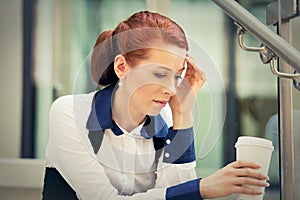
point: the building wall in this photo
(10, 77)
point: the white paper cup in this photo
(257, 150)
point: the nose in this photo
(170, 88)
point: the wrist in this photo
(182, 121)
(203, 189)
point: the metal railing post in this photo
(286, 123)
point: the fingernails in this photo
(266, 178)
(203, 77)
(266, 184)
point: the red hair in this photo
(133, 38)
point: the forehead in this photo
(172, 57)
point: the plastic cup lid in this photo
(249, 140)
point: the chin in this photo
(154, 111)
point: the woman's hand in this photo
(182, 103)
(231, 180)
(194, 76)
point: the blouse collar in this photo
(100, 117)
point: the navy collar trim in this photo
(100, 117)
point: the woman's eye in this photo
(160, 75)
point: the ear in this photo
(120, 66)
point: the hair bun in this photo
(102, 57)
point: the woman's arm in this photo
(176, 166)
(177, 163)
(228, 180)
(182, 103)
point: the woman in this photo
(115, 144)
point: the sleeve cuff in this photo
(179, 146)
(188, 190)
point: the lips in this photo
(160, 102)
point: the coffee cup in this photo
(259, 151)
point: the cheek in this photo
(142, 99)
(143, 78)
(146, 93)
(136, 84)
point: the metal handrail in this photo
(278, 45)
(289, 57)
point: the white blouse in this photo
(123, 168)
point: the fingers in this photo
(248, 172)
(249, 186)
(241, 164)
(252, 181)
(194, 75)
(193, 69)
(246, 190)
(239, 177)
(248, 169)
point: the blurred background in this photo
(43, 55)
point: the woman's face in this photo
(153, 82)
